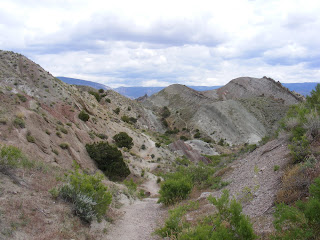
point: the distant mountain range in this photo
(135, 92)
(74, 81)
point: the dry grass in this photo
(294, 185)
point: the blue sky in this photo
(157, 43)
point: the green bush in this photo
(165, 112)
(96, 95)
(125, 118)
(21, 97)
(30, 138)
(83, 116)
(109, 159)
(19, 122)
(299, 149)
(175, 223)
(276, 168)
(63, 130)
(108, 100)
(101, 90)
(64, 145)
(89, 197)
(301, 221)
(116, 111)
(175, 188)
(12, 157)
(197, 135)
(221, 142)
(313, 101)
(102, 136)
(122, 139)
(229, 222)
(183, 138)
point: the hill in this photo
(238, 112)
(136, 92)
(55, 138)
(74, 81)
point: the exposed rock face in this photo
(243, 111)
(184, 149)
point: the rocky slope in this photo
(39, 114)
(243, 111)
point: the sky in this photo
(158, 43)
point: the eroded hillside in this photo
(243, 111)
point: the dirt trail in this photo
(139, 221)
(142, 217)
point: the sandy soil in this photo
(138, 222)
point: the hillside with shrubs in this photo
(84, 163)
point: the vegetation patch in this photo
(227, 223)
(88, 196)
(109, 160)
(83, 116)
(122, 139)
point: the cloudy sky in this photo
(157, 43)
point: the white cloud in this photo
(157, 43)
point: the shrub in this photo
(133, 120)
(83, 116)
(221, 142)
(63, 130)
(11, 157)
(30, 138)
(116, 111)
(228, 222)
(108, 100)
(183, 138)
(89, 197)
(109, 159)
(143, 147)
(21, 97)
(197, 135)
(293, 185)
(301, 221)
(164, 122)
(299, 149)
(122, 139)
(175, 188)
(59, 134)
(313, 101)
(276, 168)
(158, 145)
(165, 112)
(64, 145)
(19, 122)
(131, 185)
(96, 95)
(101, 90)
(102, 136)
(175, 223)
(125, 118)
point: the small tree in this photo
(313, 101)
(109, 159)
(83, 116)
(122, 139)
